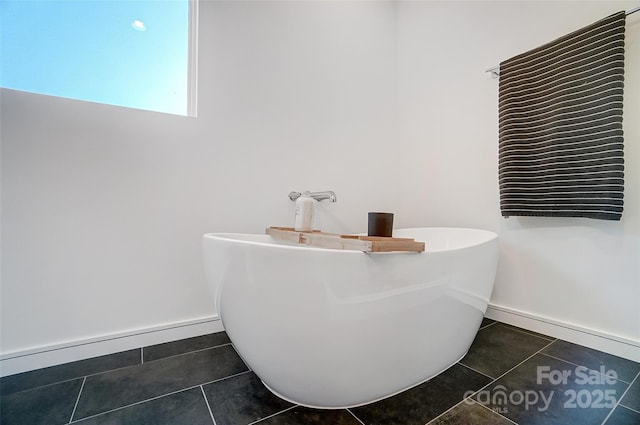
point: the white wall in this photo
(103, 208)
(573, 273)
(386, 104)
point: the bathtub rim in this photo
(237, 237)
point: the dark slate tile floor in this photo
(509, 376)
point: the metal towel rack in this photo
(495, 71)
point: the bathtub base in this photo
(313, 406)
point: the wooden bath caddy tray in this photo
(320, 239)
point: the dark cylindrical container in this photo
(380, 224)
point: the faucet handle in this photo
(293, 195)
(318, 196)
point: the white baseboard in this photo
(65, 352)
(598, 340)
(51, 355)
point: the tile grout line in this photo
(75, 406)
(149, 361)
(490, 383)
(486, 326)
(208, 406)
(354, 415)
(160, 396)
(36, 371)
(633, 410)
(120, 367)
(190, 352)
(620, 399)
(116, 368)
(628, 408)
(530, 333)
(44, 386)
(477, 371)
(226, 377)
(275, 414)
(464, 400)
(133, 404)
(519, 364)
(494, 412)
(588, 368)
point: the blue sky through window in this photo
(132, 53)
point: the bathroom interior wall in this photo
(103, 208)
(577, 273)
(386, 103)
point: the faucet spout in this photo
(318, 196)
(321, 196)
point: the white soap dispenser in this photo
(305, 213)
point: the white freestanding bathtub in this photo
(332, 329)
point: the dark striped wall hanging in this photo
(560, 126)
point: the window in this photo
(133, 53)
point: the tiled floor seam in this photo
(226, 377)
(461, 401)
(496, 413)
(490, 383)
(476, 371)
(189, 352)
(132, 404)
(445, 412)
(514, 367)
(75, 406)
(275, 414)
(486, 326)
(124, 367)
(588, 368)
(208, 406)
(159, 396)
(356, 418)
(629, 408)
(620, 406)
(620, 399)
(82, 376)
(467, 398)
(531, 333)
(42, 386)
(104, 371)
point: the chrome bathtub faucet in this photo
(318, 196)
